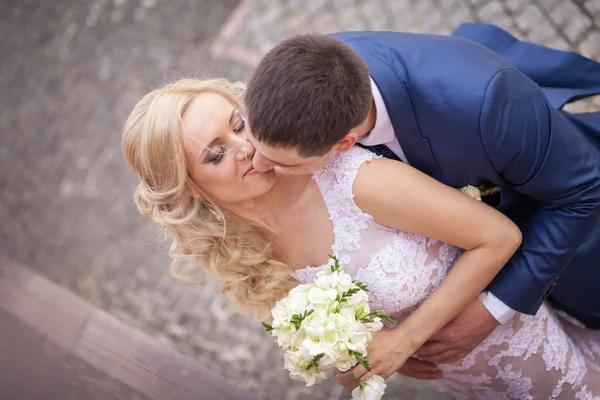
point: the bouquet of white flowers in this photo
(327, 324)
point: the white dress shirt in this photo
(383, 133)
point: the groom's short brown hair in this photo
(307, 93)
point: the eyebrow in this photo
(278, 163)
(273, 161)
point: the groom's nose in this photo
(260, 163)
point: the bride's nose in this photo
(245, 151)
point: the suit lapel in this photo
(400, 109)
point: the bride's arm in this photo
(401, 197)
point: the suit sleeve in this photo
(541, 155)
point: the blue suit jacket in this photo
(464, 114)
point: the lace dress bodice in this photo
(532, 357)
(400, 269)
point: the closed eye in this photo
(218, 155)
(240, 126)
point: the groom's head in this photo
(309, 97)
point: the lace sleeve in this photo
(340, 173)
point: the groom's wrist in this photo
(500, 311)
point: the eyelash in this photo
(217, 157)
(240, 126)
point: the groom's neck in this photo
(369, 123)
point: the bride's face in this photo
(218, 153)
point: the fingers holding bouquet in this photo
(385, 355)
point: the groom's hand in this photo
(420, 369)
(460, 336)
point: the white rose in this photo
(345, 362)
(373, 391)
(374, 326)
(326, 279)
(332, 338)
(325, 272)
(297, 302)
(313, 376)
(281, 314)
(330, 322)
(356, 338)
(332, 306)
(347, 316)
(314, 324)
(359, 347)
(345, 281)
(311, 347)
(350, 311)
(293, 361)
(314, 345)
(359, 299)
(320, 297)
(328, 361)
(340, 321)
(296, 363)
(287, 339)
(304, 288)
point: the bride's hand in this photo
(387, 352)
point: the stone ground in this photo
(71, 72)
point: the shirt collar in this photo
(383, 131)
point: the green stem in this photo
(360, 382)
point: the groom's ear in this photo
(347, 142)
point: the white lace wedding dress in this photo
(533, 357)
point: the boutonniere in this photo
(477, 192)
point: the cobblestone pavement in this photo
(562, 24)
(70, 73)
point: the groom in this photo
(477, 108)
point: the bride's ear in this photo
(347, 142)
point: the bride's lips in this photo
(250, 171)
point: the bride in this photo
(423, 249)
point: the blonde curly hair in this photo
(223, 245)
